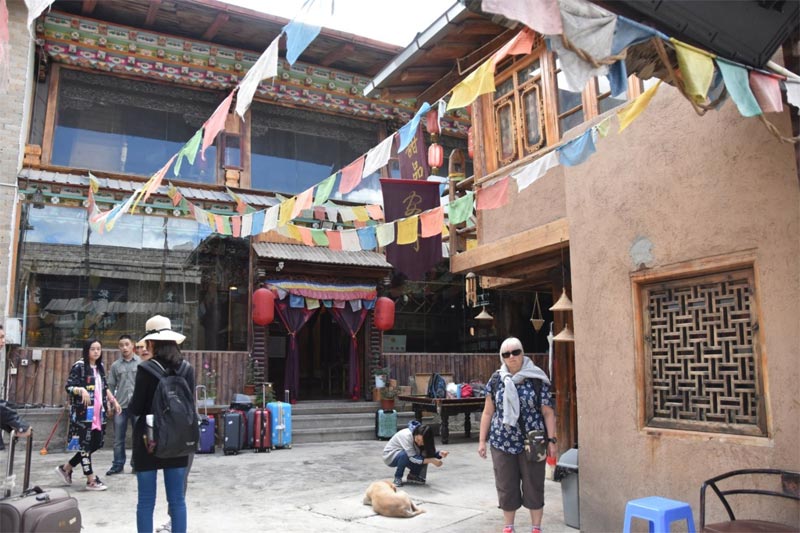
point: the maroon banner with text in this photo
(404, 198)
(413, 160)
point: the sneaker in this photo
(167, 527)
(508, 529)
(536, 529)
(114, 470)
(398, 482)
(415, 479)
(97, 485)
(63, 475)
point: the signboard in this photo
(394, 343)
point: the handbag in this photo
(535, 442)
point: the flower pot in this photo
(376, 395)
(249, 389)
(380, 381)
(387, 405)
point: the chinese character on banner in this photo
(405, 198)
(414, 159)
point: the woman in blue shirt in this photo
(513, 403)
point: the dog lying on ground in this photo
(386, 500)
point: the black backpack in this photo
(175, 421)
(437, 387)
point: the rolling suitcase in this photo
(385, 424)
(280, 418)
(36, 510)
(258, 426)
(234, 432)
(206, 443)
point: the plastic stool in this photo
(660, 512)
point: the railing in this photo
(464, 366)
(42, 382)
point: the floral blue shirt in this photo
(510, 439)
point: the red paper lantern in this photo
(435, 157)
(432, 122)
(384, 313)
(263, 307)
(470, 143)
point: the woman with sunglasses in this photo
(518, 401)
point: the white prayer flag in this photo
(265, 67)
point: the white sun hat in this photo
(159, 328)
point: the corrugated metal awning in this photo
(321, 255)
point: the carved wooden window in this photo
(701, 357)
(518, 111)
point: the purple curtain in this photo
(294, 319)
(351, 321)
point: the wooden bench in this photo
(790, 488)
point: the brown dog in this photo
(386, 500)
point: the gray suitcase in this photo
(37, 510)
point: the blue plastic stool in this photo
(660, 512)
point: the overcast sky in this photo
(390, 21)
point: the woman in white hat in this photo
(162, 343)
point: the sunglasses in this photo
(506, 355)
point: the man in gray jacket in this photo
(121, 379)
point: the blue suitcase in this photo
(280, 417)
(385, 424)
(207, 441)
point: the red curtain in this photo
(294, 319)
(351, 321)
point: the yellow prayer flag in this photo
(361, 213)
(445, 229)
(293, 232)
(479, 82)
(472, 244)
(286, 211)
(603, 127)
(628, 114)
(407, 230)
(697, 69)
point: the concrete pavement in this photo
(311, 487)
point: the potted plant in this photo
(381, 377)
(210, 381)
(249, 380)
(388, 394)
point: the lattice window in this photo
(701, 357)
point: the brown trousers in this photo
(519, 482)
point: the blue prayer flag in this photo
(578, 150)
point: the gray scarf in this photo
(511, 397)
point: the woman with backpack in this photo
(91, 401)
(413, 448)
(148, 453)
(520, 425)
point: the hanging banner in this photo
(414, 159)
(406, 198)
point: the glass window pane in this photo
(567, 122)
(505, 124)
(567, 99)
(55, 225)
(504, 88)
(533, 71)
(530, 106)
(607, 102)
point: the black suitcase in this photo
(36, 510)
(234, 431)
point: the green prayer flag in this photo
(320, 237)
(461, 209)
(189, 151)
(324, 190)
(226, 226)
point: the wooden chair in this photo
(790, 488)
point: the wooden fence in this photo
(465, 366)
(42, 382)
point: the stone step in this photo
(338, 420)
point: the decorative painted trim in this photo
(88, 43)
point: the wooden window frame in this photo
(733, 262)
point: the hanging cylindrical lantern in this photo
(384, 313)
(470, 143)
(432, 122)
(435, 157)
(263, 307)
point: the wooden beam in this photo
(422, 73)
(152, 11)
(336, 54)
(212, 30)
(88, 6)
(530, 243)
(479, 27)
(405, 91)
(522, 270)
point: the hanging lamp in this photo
(566, 335)
(563, 303)
(537, 320)
(484, 315)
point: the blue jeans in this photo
(401, 462)
(120, 429)
(174, 485)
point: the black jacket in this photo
(10, 421)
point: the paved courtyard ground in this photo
(311, 487)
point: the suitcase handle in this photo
(26, 481)
(197, 389)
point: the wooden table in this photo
(445, 407)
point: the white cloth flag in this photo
(271, 218)
(385, 233)
(332, 212)
(378, 156)
(347, 214)
(535, 170)
(590, 28)
(540, 15)
(793, 92)
(350, 242)
(247, 225)
(35, 8)
(265, 67)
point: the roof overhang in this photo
(321, 255)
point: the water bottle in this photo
(458, 391)
(90, 413)
(149, 437)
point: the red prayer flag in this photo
(157, 178)
(432, 222)
(215, 124)
(767, 90)
(305, 235)
(351, 175)
(334, 239)
(236, 226)
(219, 224)
(495, 195)
(375, 212)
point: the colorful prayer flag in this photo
(697, 69)
(628, 114)
(481, 81)
(577, 150)
(432, 222)
(493, 196)
(407, 132)
(334, 239)
(543, 16)
(351, 175)
(287, 208)
(216, 123)
(324, 189)
(350, 241)
(367, 238)
(265, 67)
(378, 157)
(461, 209)
(189, 151)
(407, 230)
(767, 90)
(385, 233)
